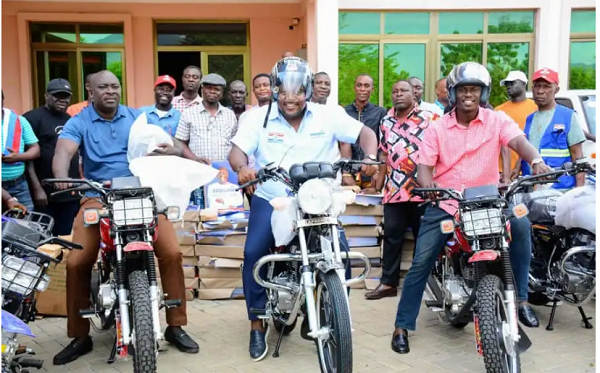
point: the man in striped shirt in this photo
(19, 146)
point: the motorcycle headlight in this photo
(19, 275)
(315, 197)
(482, 222)
(133, 211)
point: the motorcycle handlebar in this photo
(84, 186)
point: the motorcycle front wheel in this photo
(335, 350)
(5, 366)
(493, 327)
(144, 360)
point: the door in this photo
(230, 66)
(173, 63)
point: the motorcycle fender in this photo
(137, 246)
(484, 256)
(12, 324)
(524, 341)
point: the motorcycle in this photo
(307, 276)
(473, 279)
(124, 289)
(563, 267)
(24, 271)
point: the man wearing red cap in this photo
(554, 129)
(163, 114)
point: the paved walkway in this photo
(221, 329)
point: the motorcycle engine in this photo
(106, 297)
(578, 276)
(455, 293)
(284, 300)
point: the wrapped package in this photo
(577, 209)
(542, 205)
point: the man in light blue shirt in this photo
(289, 130)
(163, 114)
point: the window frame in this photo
(434, 39)
(578, 37)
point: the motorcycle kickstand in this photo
(585, 319)
(550, 326)
(279, 340)
(113, 352)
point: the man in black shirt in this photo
(367, 113)
(47, 122)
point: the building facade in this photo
(389, 39)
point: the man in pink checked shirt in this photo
(463, 148)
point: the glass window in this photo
(360, 23)
(583, 65)
(583, 21)
(461, 23)
(502, 58)
(97, 61)
(356, 59)
(52, 65)
(589, 108)
(400, 62)
(407, 23)
(206, 34)
(455, 53)
(230, 67)
(510, 22)
(52, 33)
(101, 34)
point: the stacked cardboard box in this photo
(220, 248)
(362, 224)
(186, 236)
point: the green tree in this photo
(116, 68)
(582, 77)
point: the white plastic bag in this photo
(144, 138)
(577, 209)
(172, 178)
(283, 218)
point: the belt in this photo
(13, 182)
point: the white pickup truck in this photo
(583, 101)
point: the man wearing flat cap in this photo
(162, 113)
(47, 123)
(207, 128)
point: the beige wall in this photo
(269, 37)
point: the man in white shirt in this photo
(417, 85)
(288, 131)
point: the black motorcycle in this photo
(563, 267)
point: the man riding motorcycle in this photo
(295, 131)
(463, 147)
(102, 131)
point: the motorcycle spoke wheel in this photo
(493, 320)
(144, 360)
(335, 350)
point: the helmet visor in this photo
(291, 84)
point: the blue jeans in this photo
(429, 244)
(20, 191)
(259, 242)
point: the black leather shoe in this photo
(528, 317)
(304, 329)
(400, 344)
(180, 339)
(78, 347)
(258, 344)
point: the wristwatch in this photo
(536, 161)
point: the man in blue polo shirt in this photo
(19, 145)
(163, 113)
(101, 132)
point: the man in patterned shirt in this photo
(401, 134)
(191, 84)
(206, 129)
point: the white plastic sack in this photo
(283, 218)
(144, 138)
(577, 209)
(172, 178)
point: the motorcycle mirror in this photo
(447, 226)
(520, 211)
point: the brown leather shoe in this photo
(381, 291)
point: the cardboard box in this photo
(219, 294)
(191, 294)
(216, 268)
(186, 239)
(186, 226)
(370, 252)
(364, 210)
(188, 251)
(192, 214)
(53, 301)
(220, 283)
(215, 251)
(189, 261)
(190, 271)
(191, 283)
(234, 238)
(362, 231)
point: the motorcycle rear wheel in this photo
(144, 360)
(335, 353)
(492, 315)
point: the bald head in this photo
(106, 93)
(287, 54)
(237, 94)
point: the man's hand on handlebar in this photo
(63, 186)
(432, 185)
(541, 168)
(246, 174)
(369, 169)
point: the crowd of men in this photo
(40, 144)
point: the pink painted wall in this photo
(269, 37)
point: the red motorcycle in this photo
(124, 289)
